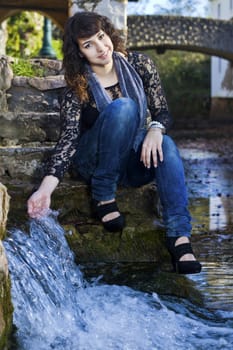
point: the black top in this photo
(76, 117)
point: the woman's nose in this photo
(100, 47)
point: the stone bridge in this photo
(209, 36)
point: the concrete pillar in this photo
(3, 38)
(116, 10)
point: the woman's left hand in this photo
(152, 146)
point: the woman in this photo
(110, 95)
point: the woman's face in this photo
(97, 49)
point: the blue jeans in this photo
(105, 158)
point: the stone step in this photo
(35, 94)
(23, 162)
(141, 240)
(26, 127)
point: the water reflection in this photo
(216, 284)
(208, 167)
(220, 215)
(208, 174)
(212, 214)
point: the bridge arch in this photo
(57, 11)
(208, 36)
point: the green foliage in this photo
(185, 78)
(24, 34)
(57, 46)
(23, 67)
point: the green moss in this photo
(91, 243)
(23, 67)
(2, 233)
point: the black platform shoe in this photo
(100, 210)
(182, 267)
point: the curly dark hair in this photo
(83, 25)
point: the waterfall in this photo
(56, 308)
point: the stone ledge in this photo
(22, 128)
(25, 97)
(22, 163)
(141, 240)
(47, 83)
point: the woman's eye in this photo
(101, 36)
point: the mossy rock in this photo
(146, 277)
(141, 239)
(139, 244)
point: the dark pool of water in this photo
(209, 171)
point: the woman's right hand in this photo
(39, 202)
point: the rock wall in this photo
(30, 123)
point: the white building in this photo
(221, 69)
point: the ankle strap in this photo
(107, 208)
(182, 249)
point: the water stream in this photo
(56, 308)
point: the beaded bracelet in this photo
(156, 124)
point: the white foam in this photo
(56, 309)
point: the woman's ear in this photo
(80, 54)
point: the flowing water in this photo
(57, 308)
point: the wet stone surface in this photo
(209, 172)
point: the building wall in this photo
(221, 69)
(116, 10)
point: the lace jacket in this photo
(71, 111)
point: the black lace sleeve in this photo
(156, 99)
(70, 111)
